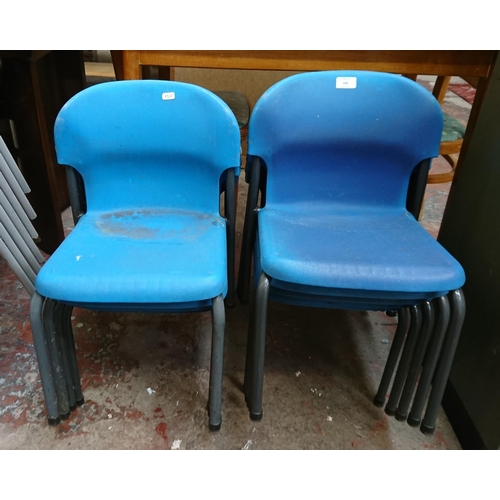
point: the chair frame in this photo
(17, 233)
(57, 358)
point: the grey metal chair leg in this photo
(259, 344)
(416, 363)
(247, 382)
(43, 358)
(404, 363)
(69, 343)
(444, 365)
(76, 191)
(63, 353)
(216, 363)
(50, 331)
(230, 214)
(392, 359)
(249, 230)
(442, 307)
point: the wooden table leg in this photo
(131, 65)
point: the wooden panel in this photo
(471, 232)
(432, 62)
(36, 84)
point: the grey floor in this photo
(145, 381)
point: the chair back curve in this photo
(340, 127)
(148, 144)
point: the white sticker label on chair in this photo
(168, 96)
(346, 82)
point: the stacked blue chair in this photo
(147, 161)
(340, 158)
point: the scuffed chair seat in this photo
(146, 163)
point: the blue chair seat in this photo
(141, 261)
(380, 251)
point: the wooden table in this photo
(466, 63)
(473, 65)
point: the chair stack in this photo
(147, 162)
(337, 157)
(340, 161)
(429, 333)
(17, 234)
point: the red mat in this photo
(463, 90)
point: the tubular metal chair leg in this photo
(416, 363)
(247, 383)
(392, 359)
(444, 366)
(69, 346)
(216, 363)
(50, 331)
(259, 344)
(249, 229)
(442, 319)
(230, 214)
(404, 363)
(43, 358)
(63, 353)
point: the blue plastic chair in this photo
(147, 161)
(340, 159)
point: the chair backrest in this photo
(344, 137)
(148, 144)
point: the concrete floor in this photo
(145, 377)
